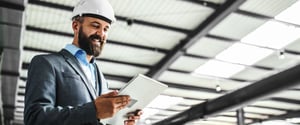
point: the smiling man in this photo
(67, 88)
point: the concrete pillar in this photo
(12, 27)
(1, 110)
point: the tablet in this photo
(142, 90)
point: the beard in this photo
(86, 43)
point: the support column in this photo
(1, 110)
(240, 114)
(11, 31)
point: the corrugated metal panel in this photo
(206, 82)
(120, 69)
(188, 64)
(236, 26)
(130, 54)
(176, 13)
(49, 18)
(208, 47)
(146, 36)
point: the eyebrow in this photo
(107, 26)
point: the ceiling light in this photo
(289, 15)
(244, 54)
(218, 88)
(273, 34)
(148, 121)
(147, 112)
(164, 102)
(218, 68)
(276, 122)
(293, 120)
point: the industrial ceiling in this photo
(209, 52)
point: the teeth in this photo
(97, 40)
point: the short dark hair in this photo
(78, 18)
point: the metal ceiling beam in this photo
(289, 114)
(222, 38)
(292, 52)
(191, 88)
(51, 5)
(36, 29)
(12, 5)
(238, 98)
(48, 31)
(135, 21)
(204, 3)
(223, 11)
(285, 100)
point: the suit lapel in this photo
(73, 62)
(102, 84)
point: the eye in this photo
(105, 29)
(95, 25)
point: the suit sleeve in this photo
(40, 98)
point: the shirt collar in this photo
(79, 53)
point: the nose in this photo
(100, 32)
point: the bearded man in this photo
(68, 88)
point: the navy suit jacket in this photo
(59, 93)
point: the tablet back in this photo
(142, 90)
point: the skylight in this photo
(273, 34)
(219, 69)
(244, 54)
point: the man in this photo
(67, 88)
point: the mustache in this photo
(95, 36)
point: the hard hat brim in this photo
(95, 16)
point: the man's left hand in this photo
(132, 117)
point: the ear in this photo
(75, 26)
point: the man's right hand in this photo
(109, 104)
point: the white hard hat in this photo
(95, 8)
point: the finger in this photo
(135, 113)
(138, 112)
(121, 102)
(134, 117)
(129, 122)
(120, 106)
(110, 94)
(122, 98)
